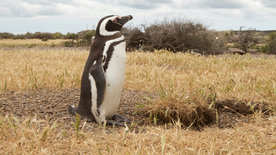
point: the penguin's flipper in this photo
(98, 75)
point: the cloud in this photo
(214, 4)
(79, 14)
(137, 4)
(269, 3)
(30, 8)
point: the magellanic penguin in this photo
(103, 76)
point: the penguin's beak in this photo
(123, 20)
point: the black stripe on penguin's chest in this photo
(109, 53)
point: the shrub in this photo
(19, 36)
(6, 35)
(44, 39)
(134, 38)
(176, 36)
(58, 35)
(85, 37)
(29, 35)
(44, 36)
(72, 36)
(271, 43)
(69, 43)
(246, 39)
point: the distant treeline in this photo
(82, 38)
(36, 35)
(47, 35)
(176, 35)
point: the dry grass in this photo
(188, 86)
(174, 79)
(38, 137)
(30, 42)
(175, 75)
(33, 69)
(229, 76)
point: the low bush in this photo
(271, 43)
(176, 36)
(83, 38)
(246, 39)
(6, 35)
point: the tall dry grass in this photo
(179, 75)
(229, 76)
(183, 78)
(33, 69)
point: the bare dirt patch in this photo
(52, 105)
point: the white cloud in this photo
(27, 8)
(223, 14)
(269, 3)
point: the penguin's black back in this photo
(96, 52)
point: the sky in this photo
(21, 16)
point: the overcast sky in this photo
(21, 16)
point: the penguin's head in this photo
(110, 25)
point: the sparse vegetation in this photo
(180, 92)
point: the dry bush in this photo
(191, 111)
(271, 43)
(247, 39)
(82, 38)
(6, 35)
(177, 36)
(134, 38)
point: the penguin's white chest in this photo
(115, 74)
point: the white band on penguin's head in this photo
(103, 31)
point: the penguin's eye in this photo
(114, 20)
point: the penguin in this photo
(103, 75)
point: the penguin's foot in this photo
(118, 120)
(113, 122)
(72, 109)
(121, 118)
